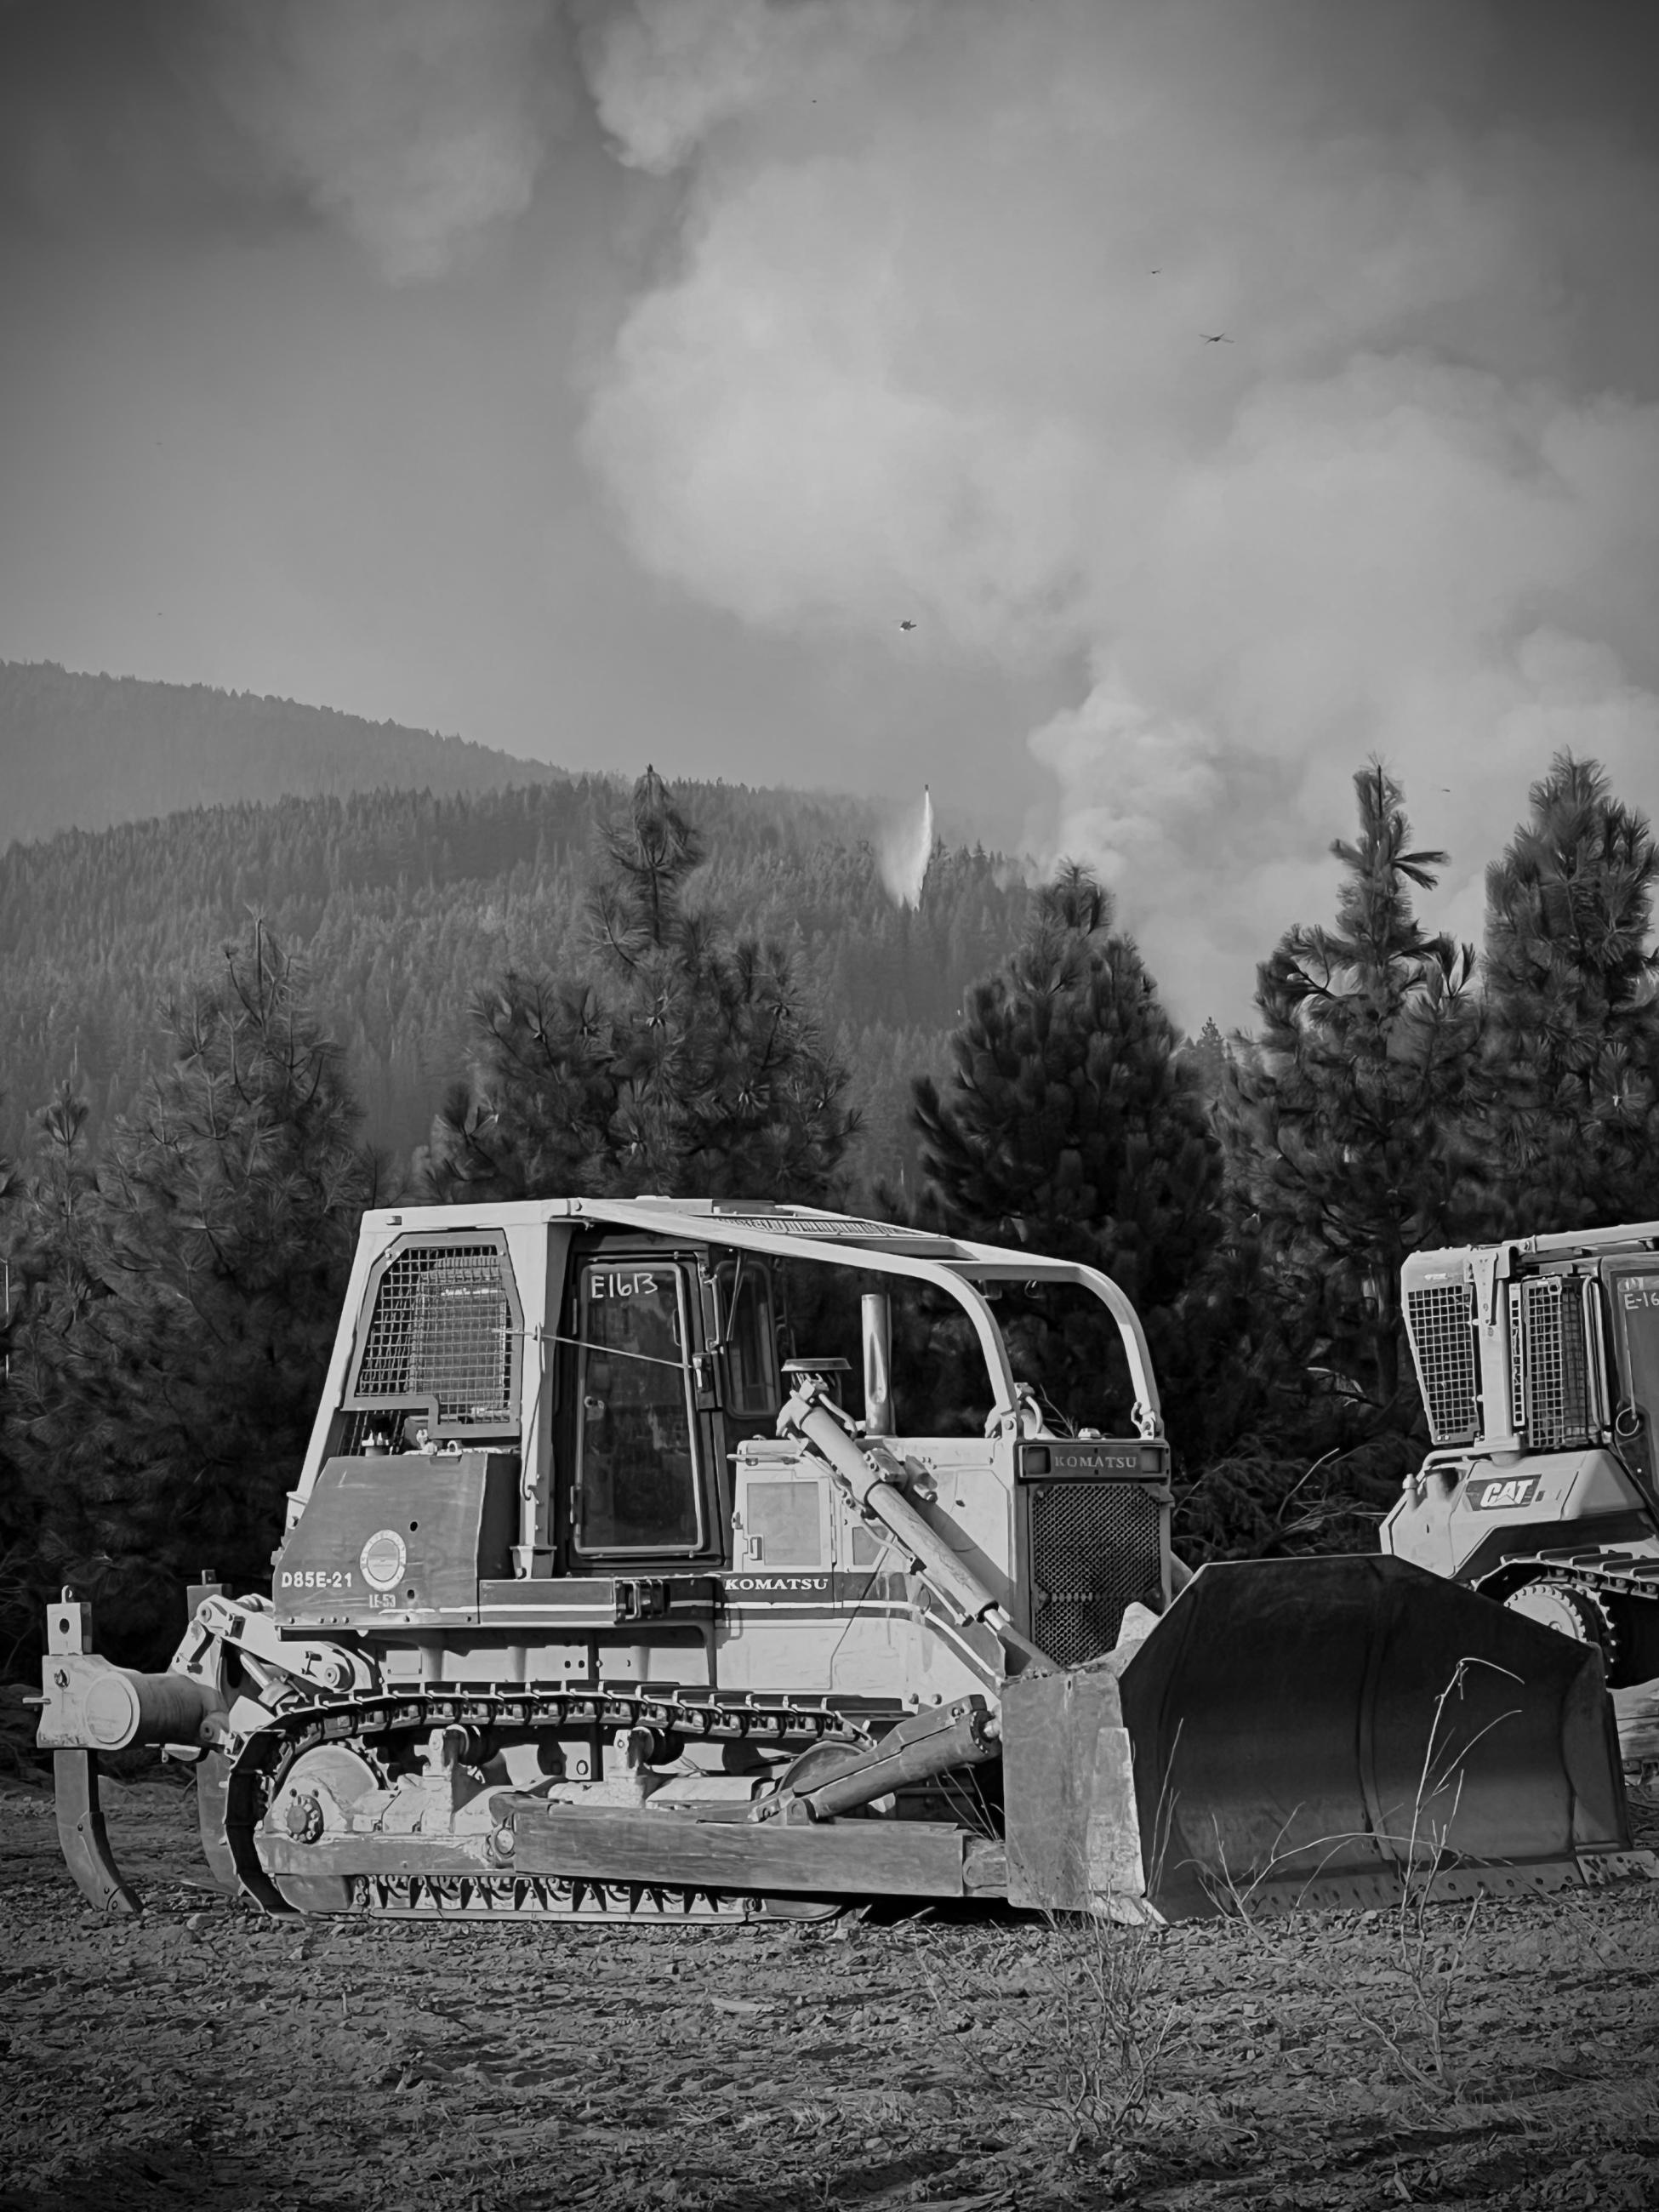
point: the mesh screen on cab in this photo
(1438, 1316)
(443, 1328)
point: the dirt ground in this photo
(209, 2058)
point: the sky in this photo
(1125, 417)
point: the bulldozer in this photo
(1538, 1363)
(595, 1601)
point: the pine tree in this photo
(1346, 1120)
(682, 1060)
(45, 1542)
(1572, 1050)
(1071, 1123)
(18, 1546)
(1209, 1055)
(180, 1329)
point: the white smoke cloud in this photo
(936, 339)
(414, 124)
(905, 849)
(665, 74)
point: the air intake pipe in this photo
(877, 1311)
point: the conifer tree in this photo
(1209, 1055)
(1346, 1121)
(182, 1309)
(1071, 1123)
(18, 1546)
(1572, 1049)
(682, 1059)
(53, 1194)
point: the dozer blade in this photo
(1324, 1731)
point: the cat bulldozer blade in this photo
(1538, 1360)
(592, 1604)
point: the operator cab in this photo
(668, 1361)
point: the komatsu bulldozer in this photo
(595, 1600)
(1538, 1361)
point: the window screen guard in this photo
(445, 1328)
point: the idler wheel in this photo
(320, 1786)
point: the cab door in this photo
(1632, 1288)
(640, 1485)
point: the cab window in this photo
(751, 1362)
(637, 1487)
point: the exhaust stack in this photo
(878, 1315)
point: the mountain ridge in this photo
(86, 751)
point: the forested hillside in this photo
(83, 752)
(402, 905)
(172, 1276)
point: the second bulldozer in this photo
(1538, 1360)
(594, 1601)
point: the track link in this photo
(1608, 1574)
(261, 1760)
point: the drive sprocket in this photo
(1570, 1609)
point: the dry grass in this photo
(1098, 2020)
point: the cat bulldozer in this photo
(1538, 1361)
(596, 1601)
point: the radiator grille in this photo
(1096, 1548)
(443, 1328)
(1517, 1365)
(1553, 1369)
(1443, 1343)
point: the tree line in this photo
(173, 1295)
(400, 901)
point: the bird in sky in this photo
(1215, 337)
(907, 624)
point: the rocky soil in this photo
(209, 2058)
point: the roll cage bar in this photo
(949, 1264)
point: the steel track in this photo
(1636, 1575)
(262, 1758)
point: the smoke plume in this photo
(1189, 350)
(906, 849)
(416, 125)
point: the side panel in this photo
(819, 1603)
(404, 1537)
(779, 1627)
(880, 1645)
(1459, 1518)
(893, 1639)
